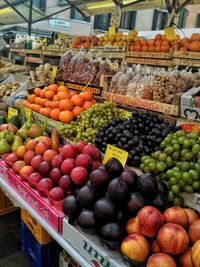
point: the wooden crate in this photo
(6, 204)
(184, 58)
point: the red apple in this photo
(135, 247)
(176, 215)
(149, 220)
(68, 151)
(44, 168)
(57, 194)
(28, 157)
(185, 259)
(57, 161)
(79, 146)
(84, 160)
(35, 162)
(65, 182)
(34, 179)
(192, 215)
(172, 239)
(194, 231)
(161, 260)
(132, 226)
(79, 175)
(55, 175)
(68, 165)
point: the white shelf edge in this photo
(63, 243)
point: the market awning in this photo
(9, 15)
(95, 7)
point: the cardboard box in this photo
(39, 204)
(90, 247)
(192, 200)
(188, 109)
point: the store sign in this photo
(59, 24)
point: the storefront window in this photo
(102, 22)
(128, 20)
(159, 19)
(78, 16)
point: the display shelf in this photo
(149, 61)
(149, 55)
(23, 204)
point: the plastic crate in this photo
(42, 236)
(6, 204)
(39, 255)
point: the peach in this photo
(47, 141)
(161, 260)
(135, 247)
(196, 254)
(11, 158)
(172, 239)
(194, 231)
(149, 220)
(25, 172)
(176, 215)
(185, 259)
(31, 144)
(154, 246)
(49, 154)
(192, 215)
(21, 150)
(28, 157)
(132, 226)
(18, 165)
(40, 148)
(35, 162)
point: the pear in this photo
(35, 131)
(9, 137)
(23, 133)
(2, 134)
(4, 147)
(16, 143)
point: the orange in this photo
(28, 105)
(43, 101)
(21, 150)
(66, 116)
(77, 111)
(31, 98)
(87, 104)
(37, 107)
(49, 94)
(93, 101)
(77, 100)
(37, 100)
(62, 88)
(32, 106)
(42, 93)
(25, 103)
(55, 98)
(48, 104)
(72, 93)
(87, 95)
(66, 104)
(54, 87)
(63, 95)
(55, 114)
(37, 91)
(54, 104)
(46, 112)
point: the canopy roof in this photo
(10, 16)
(95, 7)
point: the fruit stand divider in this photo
(63, 243)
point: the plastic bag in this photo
(114, 85)
(134, 85)
(148, 89)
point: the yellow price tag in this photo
(12, 112)
(112, 31)
(53, 73)
(114, 152)
(170, 33)
(28, 114)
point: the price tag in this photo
(53, 73)
(28, 114)
(112, 31)
(12, 112)
(114, 152)
(170, 33)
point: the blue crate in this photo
(39, 255)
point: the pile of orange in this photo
(58, 103)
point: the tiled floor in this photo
(11, 254)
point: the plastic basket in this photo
(42, 236)
(39, 255)
(6, 205)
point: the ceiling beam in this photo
(16, 10)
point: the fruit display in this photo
(139, 135)
(85, 42)
(54, 172)
(7, 90)
(190, 44)
(82, 68)
(177, 163)
(88, 122)
(58, 103)
(162, 239)
(42, 73)
(109, 199)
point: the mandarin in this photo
(37, 107)
(77, 100)
(55, 114)
(49, 94)
(43, 101)
(87, 104)
(87, 96)
(62, 88)
(55, 98)
(48, 104)
(66, 116)
(46, 112)
(54, 104)
(72, 93)
(42, 93)
(63, 95)
(37, 91)
(77, 111)
(66, 104)
(54, 87)
(37, 100)
(31, 98)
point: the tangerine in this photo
(72, 93)
(37, 100)
(42, 93)
(62, 88)
(54, 87)
(87, 96)
(46, 112)
(66, 104)
(47, 141)
(63, 95)
(87, 104)
(36, 107)
(55, 98)
(43, 101)
(77, 111)
(48, 104)
(55, 114)
(66, 116)
(54, 104)
(49, 94)
(77, 100)
(32, 106)
(31, 98)
(25, 103)
(37, 91)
